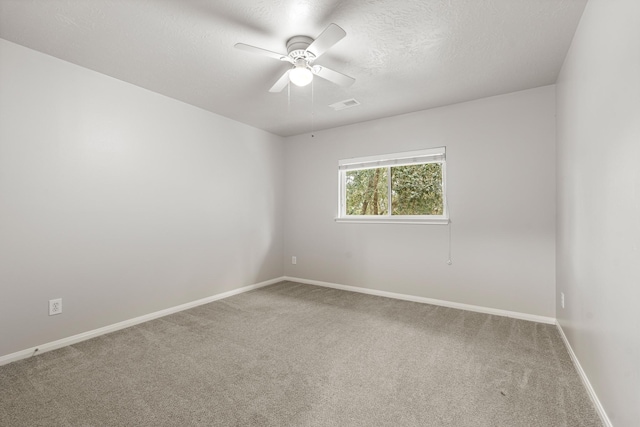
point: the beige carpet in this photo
(300, 355)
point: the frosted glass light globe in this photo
(301, 75)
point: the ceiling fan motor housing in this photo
(297, 48)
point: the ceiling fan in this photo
(302, 51)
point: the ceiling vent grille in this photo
(347, 103)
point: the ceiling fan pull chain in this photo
(313, 111)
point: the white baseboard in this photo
(23, 354)
(405, 297)
(585, 380)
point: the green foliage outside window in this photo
(367, 192)
(415, 190)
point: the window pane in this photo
(417, 189)
(367, 192)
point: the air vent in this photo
(347, 103)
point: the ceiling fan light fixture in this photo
(301, 75)
(302, 51)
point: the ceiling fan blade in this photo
(333, 76)
(281, 83)
(330, 36)
(263, 52)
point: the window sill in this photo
(389, 220)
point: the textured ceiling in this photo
(406, 55)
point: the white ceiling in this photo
(406, 55)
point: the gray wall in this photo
(598, 248)
(122, 201)
(501, 188)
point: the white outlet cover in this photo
(55, 306)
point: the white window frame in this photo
(419, 157)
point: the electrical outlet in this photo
(55, 306)
(562, 299)
(294, 260)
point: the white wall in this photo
(122, 201)
(598, 248)
(501, 181)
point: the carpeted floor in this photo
(300, 355)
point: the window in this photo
(403, 187)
